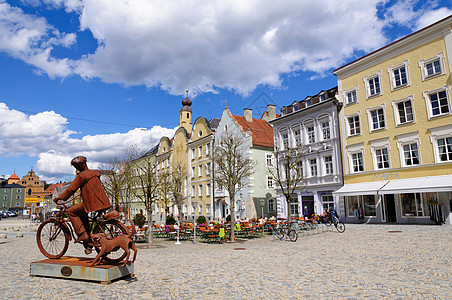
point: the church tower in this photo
(185, 114)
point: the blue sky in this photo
(84, 77)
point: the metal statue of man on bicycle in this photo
(93, 196)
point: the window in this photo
(208, 187)
(18, 190)
(326, 130)
(269, 182)
(297, 136)
(193, 191)
(192, 172)
(208, 168)
(445, 148)
(403, 111)
(5, 197)
(193, 153)
(328, 202)
(353, 125)
(294, 206)
(415, 204)
(300, 169)
(311, 134)
(199, 151)
(208, 149)
(365, 203)
(432, 67)
(285, 140)
(328, 165)
(399, 76)
(271, 205)
(382, 158)
(269, 160)
(351, 97)
(357, 162)
(410, 154)
(376, 118)
(373, 87)
(437, 102)
(200, 190)
(313, 164)
(18, 197)
(200, 209)
(200, 171)
(441, 138)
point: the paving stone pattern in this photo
(365, 262)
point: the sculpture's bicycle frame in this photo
(54, 234)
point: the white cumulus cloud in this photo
(46, 135)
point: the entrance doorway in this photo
(307, 203)
(390, 208)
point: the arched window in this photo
(271, 205)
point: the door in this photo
(307, 206)
(390, 208)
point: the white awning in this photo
(418, 185)
(363, 188)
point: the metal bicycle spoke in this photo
(51, 239)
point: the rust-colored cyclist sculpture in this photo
(93, 196)
(54, 234)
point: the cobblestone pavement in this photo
(365, 262)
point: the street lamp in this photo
(195, 206)
(262, 205)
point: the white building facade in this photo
(312, 125)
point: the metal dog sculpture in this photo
(107, 245)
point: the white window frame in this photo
(285, 138)
(297, 138)
(329, 168)
(193, 190)
(271, 204)
(442, 132)
(208, 188)
(193, 153)
(408, 139)
(200, 151)
(395, 106)
(367, 80)
(379, 145)
(200, 190)
(369, 112)
(428, 103)
(310, 138)
(325, 130)
(423, 66)
(351, 91)
(313, 168)
(208, 149)
(392, 75)
(347, 124)
(269, 160)
(200, 171)
(208, 165)
(270, 182)
(193, 172)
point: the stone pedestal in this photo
(78, 268)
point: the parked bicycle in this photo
(333, 218)
(54, 234)
(287, 229)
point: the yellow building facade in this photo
(188, 153)
(396, 130)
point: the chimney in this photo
(271, 111)
(248, 114)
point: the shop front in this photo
(422, 200)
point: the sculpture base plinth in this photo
(78, 268)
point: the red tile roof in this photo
(261, 132)
(14, 176)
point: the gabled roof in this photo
(14, 176)
(261, 132)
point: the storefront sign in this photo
(386, 176)
(33, 200)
